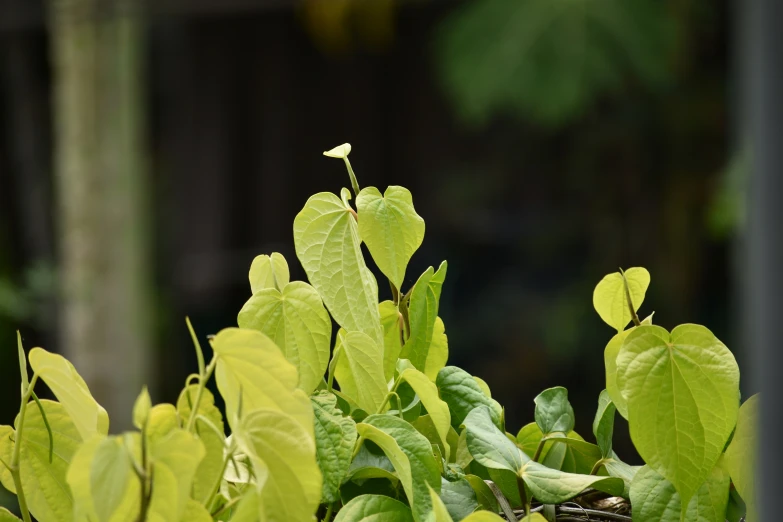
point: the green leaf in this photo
(359, 370)
(411, 455)
(617, 468)
(369, 465)
(42, 482)
(70, 389)
(603, 424)
(391, 229)
(250, 365)
(141, 408)
(488, 445)
(462, 393)
(195, 512)
(110, 477)
(483, 385)
(611, 352)
(551, 486)
(438, 354)
(441, 514)
(682, 394)
(437, 409)
(176, 458)
(484, 496)
(22, 362)
(423, 312)
(214, 444)
(553, 411)
(572, 454)
(654, 499)
(392, 343)
(742, 455)
(610, 299)
(7, 516)
(374, 508)
(161, 421)
(459, 498)
(268, 272)
(296, 320)
(340, 151)
(284, 460)
(335, 436)
(529, 438)
(327, 242)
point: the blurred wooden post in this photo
(97, 50)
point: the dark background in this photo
(546, 144)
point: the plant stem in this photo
(523, 495)
(539, 449)
(597, 467)
(197, 345)
(14, 466)
(226, 507)
(630, 301)
(354, 183)
(219, 479)
(357, 446)
(329, 511)
(202, 382)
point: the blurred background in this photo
(148, 154)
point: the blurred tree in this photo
(547, 59)
(97, 50)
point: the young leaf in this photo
(438, 354)
(251, 366)
(268, 272)
(296, 320)
(529, 438)
(340, 151)
(391, 229)
(335, 435)
(553, 411)
(284, 460)
(423, 312)
(22, 362)
(437, 409)
(70, 389)
(551, 486)
(611, 301)
(654, 499)
(359, 370)
(681, 390)
(392, 343)
(742, 455)
(410, 453)
(603, 424)
(162, 421)
(327, 242)
(43, 482)
(462, 393)
(459, 498)
(488, 445)
(372, 508)
(141, 408)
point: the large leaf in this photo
(462, 393)
(392, 342)
(268, 272)
(682, 392)
(327, 242)
(488, 445)
(175, 458)
(654, 499)
(296, 320)
(459, 498)
(553, 411)
(422, 313)
(438, 353)
(603, 424)
(70, 389)
(359, 370)
(437, 409)
(284, 460)
(611, 301)
(374, 508)
(410, 453)
(252, 371)
(212, 463)
(391, 229)
(43, 483)
(335, 435)
(551, 486)
(742, 455)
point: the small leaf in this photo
(484, 496)
(359, 370)
(391, 229)
(70, 389)
(268, 272)
(742, 455)
(162, 420)
(553, 411)
(295, 319)
(284, 460)
(529, 438)
(392, 343)
(340, 151)
(551, 486)
(327, 242)
(22, 362)
(611, 352)
(423, 312)
(459, 498)
(610, 299)
(462, 393)
(682, 391)
(374, 508)
(141, 408)
(488, 445)
(335, 436)
(437, 409)
(603, 424)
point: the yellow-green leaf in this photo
(422, 313)
(195, 512)
(359, 370)
(70, 389)
(340, 151)
(741, 458)
(374, 508)
(392, 342)
(438, 354)
(141, 408)
(335, 435)
(162, 420)
(610, 300)
(268, 272)
(437, 409)
(177, 456)
(7, 516)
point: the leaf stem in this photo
(539, 449)
(630, 301)
(332, 367)
(357, 447)
(46, 423)
(354, 183)
(216, 487)
(329, 511)
(14, 465)
(523, 495)
(202, 382)
(228, 505)
(597, 467)
(197, 345)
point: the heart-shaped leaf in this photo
(374, 508)
(610, 299)
(296, 320)
(268, 272)
(553, 411)
(682, 390)
(603, 424)
(359, 370)
(742, 455)
(462, 393)
(391, 229)
(335, 435)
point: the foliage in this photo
(405, 437)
